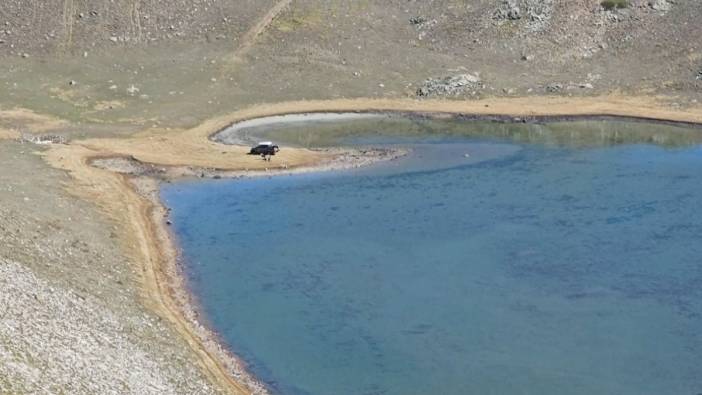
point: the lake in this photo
(494, 259)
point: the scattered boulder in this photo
(660, 5)
(423, 25)
(449, 86)
(539, 14)
(508, 9)
(554, 87)
(132, 90)
(418, 20)
(536, 12)
(44, 139)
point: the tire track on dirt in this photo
(249, 39)
(68, 11)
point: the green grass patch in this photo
(614, 4)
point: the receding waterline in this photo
(527, 265)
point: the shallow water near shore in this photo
(477, 265)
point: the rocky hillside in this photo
(33, 27)
(72, 313)
(139, 60)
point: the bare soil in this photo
(92, 299)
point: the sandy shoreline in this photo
(174, 279)
(132, 203)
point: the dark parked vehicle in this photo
(265, 149)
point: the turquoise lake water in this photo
(524, 268)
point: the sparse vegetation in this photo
(94, 69)
(614, 4)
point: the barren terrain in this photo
(91, 298)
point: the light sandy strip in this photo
(298, 118)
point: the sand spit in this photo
(193, 147)
(132, 205)
(341, 159)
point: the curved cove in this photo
(543, 265)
